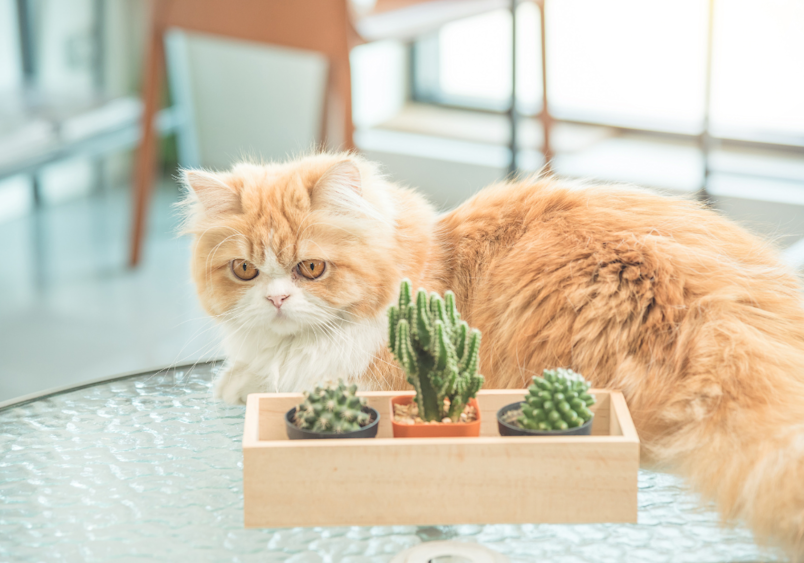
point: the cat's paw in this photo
(234, 385)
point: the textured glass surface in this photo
(150, 468)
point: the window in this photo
(638, 64)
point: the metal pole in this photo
(28, 60)
(99, 77)
(25, 26)
(546, 118)
(705, 137)
(98, 46)
(512, 114)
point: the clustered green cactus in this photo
(437, 350)
(556, 401)
(334, 409)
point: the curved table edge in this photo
(30, 398)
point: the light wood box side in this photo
(439, 481)
(427, 482)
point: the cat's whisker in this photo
(246, 327)
(200, 236)
(198, 334)
(202, 352)
(332, 330)
(211, 254)
(339, 314)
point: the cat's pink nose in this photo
(277, 300)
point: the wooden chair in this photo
(329, 27)
(314, 25)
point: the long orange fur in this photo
(696, 320)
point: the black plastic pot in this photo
(296, 433)
(507, 429)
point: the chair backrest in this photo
(316, 25)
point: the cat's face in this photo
(292, 247)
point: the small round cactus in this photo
(335, 409)
(556, 401)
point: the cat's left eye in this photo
(311, 269)
(244, 269)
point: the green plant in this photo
(334, 409)
(556, 401)
(437, 350)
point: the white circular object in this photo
(461, 552)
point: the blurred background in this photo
(700, 97)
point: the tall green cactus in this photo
(437, 350)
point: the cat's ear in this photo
(214, 194)
(339, 187)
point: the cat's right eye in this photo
(244, 269)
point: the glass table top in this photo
(149, 468)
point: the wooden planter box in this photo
(438, 481)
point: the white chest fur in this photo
(261, 361)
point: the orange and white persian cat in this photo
(693, 318)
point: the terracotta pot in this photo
(441, 430)
(507, 429)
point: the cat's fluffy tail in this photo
(771, 494)
(742, 445)
(755, 476)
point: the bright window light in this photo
(758, 71)
(637, 63)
